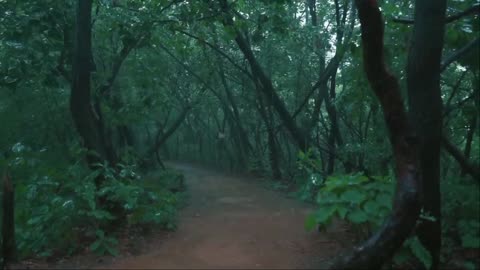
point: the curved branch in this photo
(406, 208)
(162, 137)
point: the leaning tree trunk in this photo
(425, 102)
(267, 88)
(382, 245)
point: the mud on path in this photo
(233, 222)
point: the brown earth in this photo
(230, 222)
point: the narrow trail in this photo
(232, 222)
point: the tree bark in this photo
(425, 104)
(406, 206)
(9, 247)
(271, 138)
(83, 114)
(162, 137)
(246, 147)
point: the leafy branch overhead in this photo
(374, 122)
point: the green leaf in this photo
(342, 212)
(310, 222)
(420, 252)
(95, 245)
(357, 216)
(324, 215)
(353, 196)
(326, 198)
(111, 250)
(100, 233)
(384, 200)
(371, 207)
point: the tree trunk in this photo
(9, 246)
(425, 103)
(273, 154)
(266, 84)
(162, 136)
(335, 137)
(468, 144)
(382, 245)
(85, 118)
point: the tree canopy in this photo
(368, 109)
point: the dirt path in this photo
(234, 223)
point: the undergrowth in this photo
(364, 203)
(57, 208)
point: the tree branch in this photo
(472, 10)
(459, 53)
(264, 81)
(162, 137)
(117, 64)
(216, 49)
(464, 163)
(406, 208)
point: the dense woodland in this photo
(367, 109)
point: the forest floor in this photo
(229, 222)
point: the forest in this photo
(247, 134)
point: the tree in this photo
(86, 118)
(425, 104)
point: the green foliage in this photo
(470, 233)
(58, 208)
(413, 247)
(363, 203)
(104, 244)
(58, 200)
(461, 214)
(308, 185)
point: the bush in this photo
(364, 203)
(58, 209)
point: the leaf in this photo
(111, 250)
(310, 222)
(325, 198)
(100, 233)
(384, 200)
(95, 245)
(371, 207)
(34, 220)
(324, 215)
(342, 212)
(353, 196)
(357, 216)
(420, 252)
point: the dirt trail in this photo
(234, 223)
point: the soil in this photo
(230, 222)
